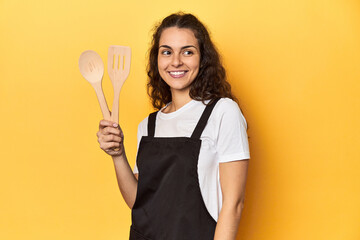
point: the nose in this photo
(176, 60)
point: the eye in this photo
(188, 52)
(165, 52)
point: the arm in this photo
(110, 136)
(127, 181)
(232, 180)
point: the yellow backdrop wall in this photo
(294, 65)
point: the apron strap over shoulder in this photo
(203, 119)
(151, 124)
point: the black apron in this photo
(168, 204)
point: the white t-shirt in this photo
(224, 139)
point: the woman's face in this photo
(178, 58)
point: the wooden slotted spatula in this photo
(92, 68)
(119, 58)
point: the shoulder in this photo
(227, 109)
(226, 104)
(142, 127)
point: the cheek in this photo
(161, 69)
(195, 65)
(162, 63)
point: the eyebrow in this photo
(187, 46)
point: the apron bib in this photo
(168, 204)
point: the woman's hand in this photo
(111, 138)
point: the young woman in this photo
(188, 182)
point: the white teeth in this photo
(177, 73)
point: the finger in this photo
(121, 133)
(111, 138)
(106, 123)
(109, 145)
(113, 153)
(111, 130)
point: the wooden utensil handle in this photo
(102, 101)
(115, 110)
(115, 107)
(103, 105)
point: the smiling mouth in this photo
(177, 74)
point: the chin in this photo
(179, 87)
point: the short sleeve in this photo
(142, 131)
(232, 140)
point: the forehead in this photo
(177, 37)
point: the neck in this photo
(179, 99)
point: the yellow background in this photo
(294, 65)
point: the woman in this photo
(187, 182)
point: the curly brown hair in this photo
(210, 83)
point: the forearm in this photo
(228, 222)
(126, 180)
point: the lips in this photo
(177, 74)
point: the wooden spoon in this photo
(119, 58)
(92, 68)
